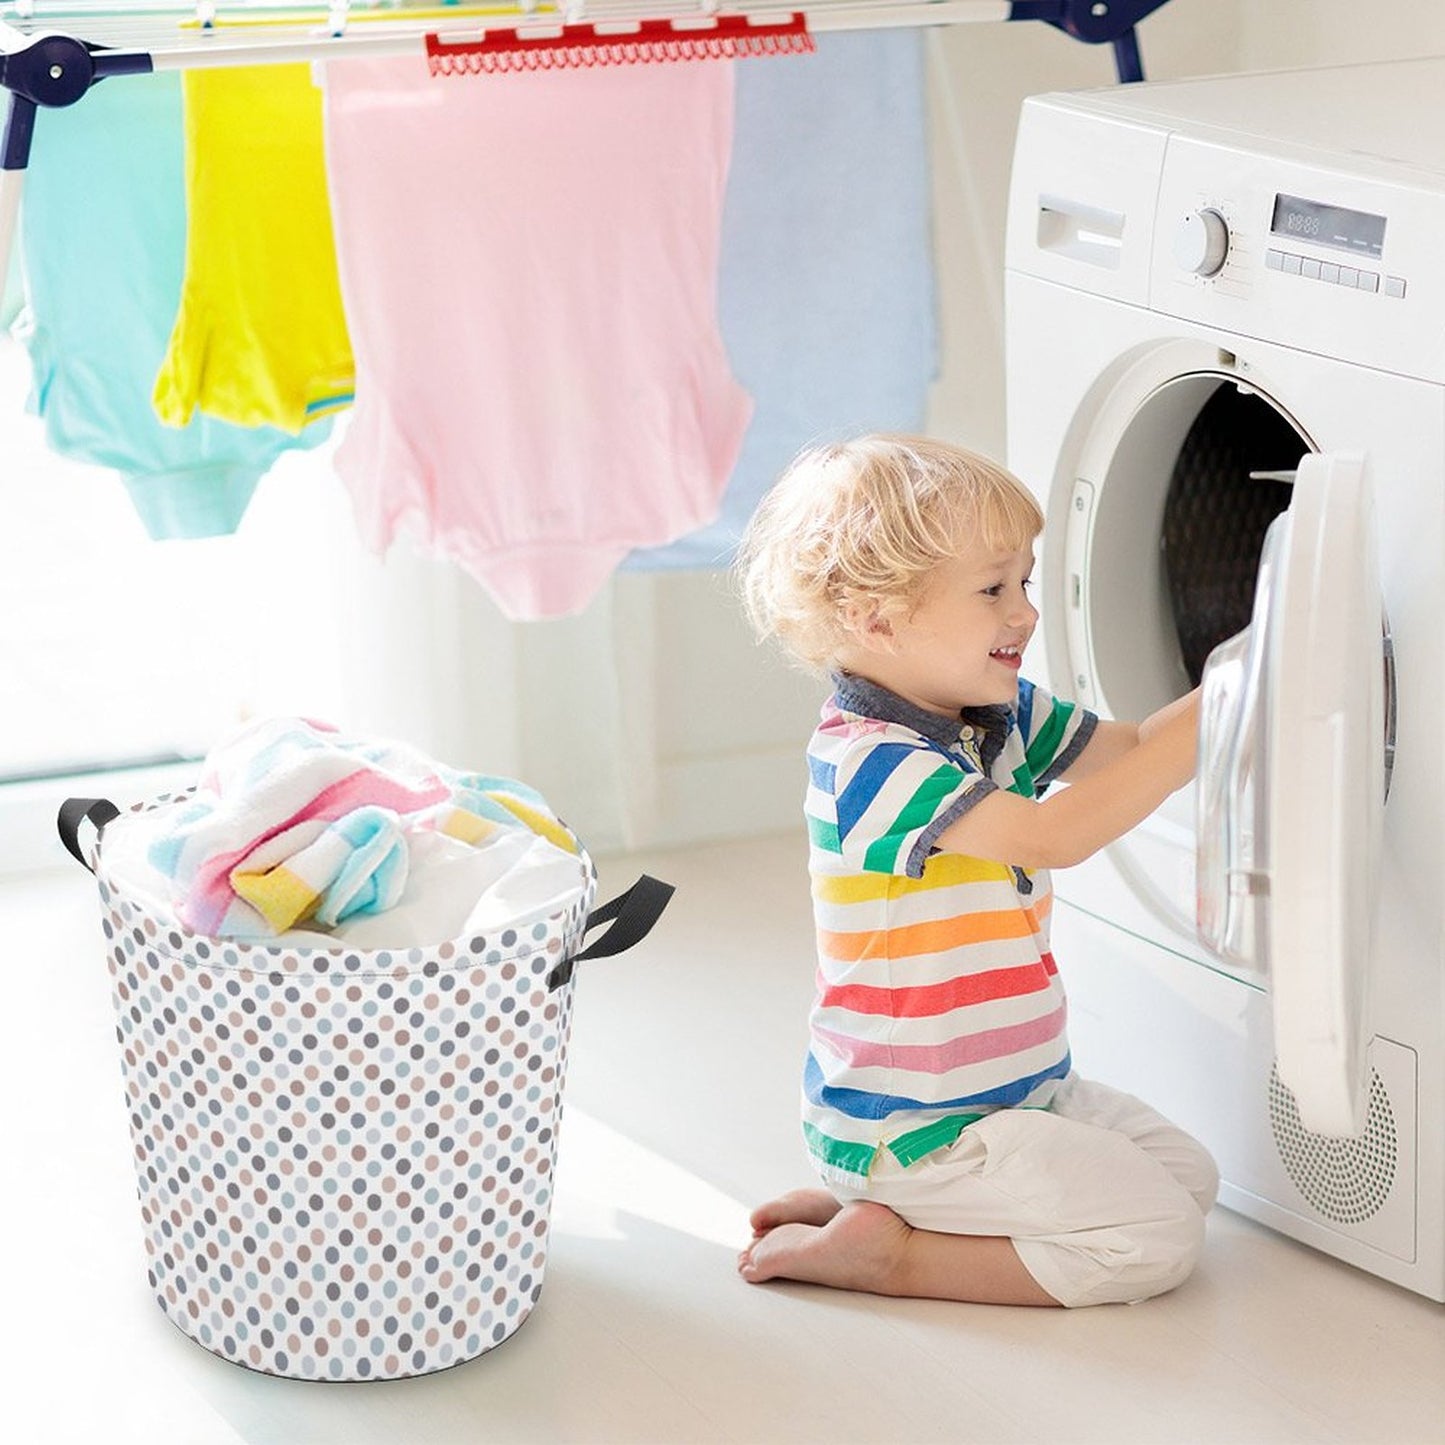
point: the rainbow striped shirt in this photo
(938, 1000)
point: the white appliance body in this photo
(1206, 280)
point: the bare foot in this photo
(798, 1206)
(860, 1246)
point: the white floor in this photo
(680, 1114)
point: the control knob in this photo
(1201, 242)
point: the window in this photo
(117, 650)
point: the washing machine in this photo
(1226, 386)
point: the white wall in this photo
(1285, 34)
(654, 718)
(979, 76)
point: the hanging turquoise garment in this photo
(102, 240)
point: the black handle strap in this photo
(74, 812)
(632, 915)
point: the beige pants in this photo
(1103, 1197)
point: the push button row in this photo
(1351, 276)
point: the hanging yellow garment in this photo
(260, 338)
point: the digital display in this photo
(1355, 231)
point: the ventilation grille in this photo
(1346, 1180)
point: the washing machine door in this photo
(1291, 787)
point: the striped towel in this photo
(292, 822)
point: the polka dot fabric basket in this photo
(345, 1158)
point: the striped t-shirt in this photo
(938, 1000)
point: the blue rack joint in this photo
(1096, 22)
(54, 70)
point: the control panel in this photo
(1274, 244)
(1313, 269)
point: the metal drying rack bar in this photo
(45, 62)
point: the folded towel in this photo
(293, 822)
(358, 864)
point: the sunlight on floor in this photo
(621, 1177)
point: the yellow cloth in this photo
(260, 338)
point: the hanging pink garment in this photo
(529, 267)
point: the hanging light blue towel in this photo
(826, 286)
(102, 238)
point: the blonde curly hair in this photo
(855, 528)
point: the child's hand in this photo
(1175, 730)
(1188, 705)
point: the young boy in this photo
(963, 1157)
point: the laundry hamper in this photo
(344, 1157)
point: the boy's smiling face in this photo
(962, 644)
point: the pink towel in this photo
(529, 266)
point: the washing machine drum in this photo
(1228, 484)
(1163, 538)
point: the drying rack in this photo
(51, 54)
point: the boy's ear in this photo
(868, 627)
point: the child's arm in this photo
(1112, 740)
(1132, 772)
